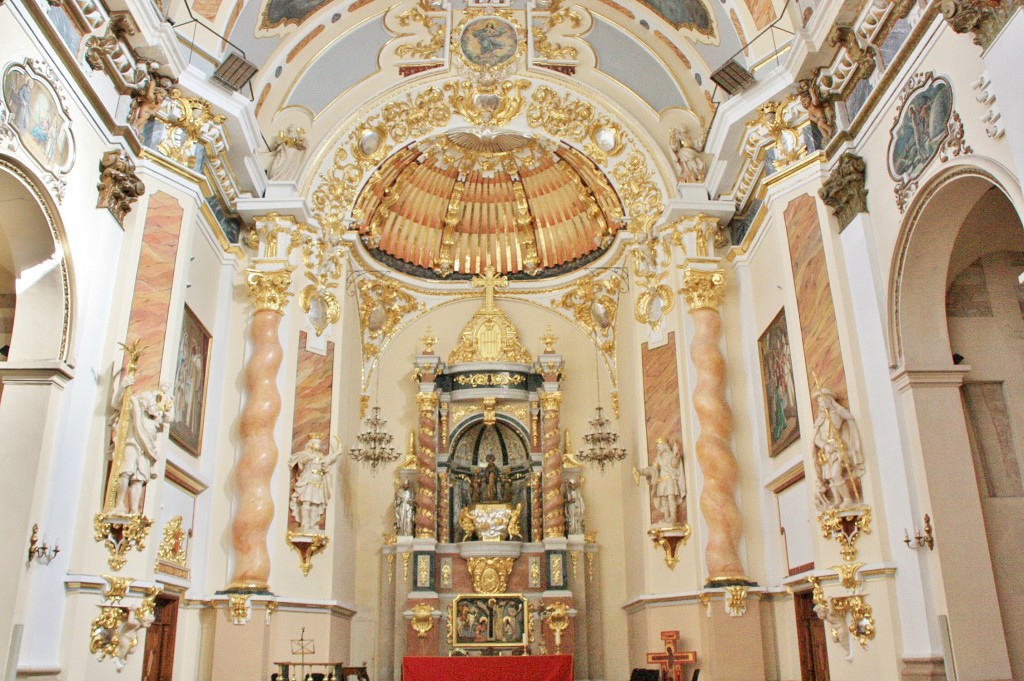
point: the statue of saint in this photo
(837, 456)
(667, 480)
(689, 162)
(404, 510)
(574, 508)
(289, 149)
(492, 479)
(148, 413)
(313, 486)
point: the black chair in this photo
(645, 675)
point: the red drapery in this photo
(523, 668)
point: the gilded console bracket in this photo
(669, 539)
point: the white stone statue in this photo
(128, 635)
(574, 508)
(689, 161)
(837, 455)
(289, 149)
(837, 627)
(404, 510)
(149, 412)
(667, 480)
(313, 486)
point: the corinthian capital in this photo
(268, 290)
(703, 289)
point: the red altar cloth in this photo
(518, 668)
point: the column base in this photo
(923, 669)
(719, 582)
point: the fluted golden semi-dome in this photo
(465, 200)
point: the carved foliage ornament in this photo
(190, 124)
(119, 187)
(382, 307)
(490, 575)
(926, 126)
(844, 191)
(983, 18)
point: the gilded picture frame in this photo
(192, 367)
(489, 621)
(781, 420)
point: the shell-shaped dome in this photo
(464, 200)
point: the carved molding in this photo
(119, 187)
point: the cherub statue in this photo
(313, 485)
(289, 148)
(149, 97)
(819, 106)
(689, 162)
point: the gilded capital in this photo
(269, 290)
(428, 402)
(703, 289)
(266, 236)
(551, 401)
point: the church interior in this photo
(497, 339)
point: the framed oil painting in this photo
(190, 383)
(925, 127)
(777, 379)
(489, 621)
(37, 114)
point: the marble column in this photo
(703, 289)
(268, 280)
(554, 511)
(426, 482)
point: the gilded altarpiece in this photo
(500, 565)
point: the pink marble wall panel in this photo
(661, 402)
(314, 377)
(153, 280)
(822, 354)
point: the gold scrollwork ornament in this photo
(268, 290)
(307, 545)
(669, 540)
(736, 600)
(557, 618)
(422, 619)
(119, 533)
(490, 575)
(321, 306)
(845, 527)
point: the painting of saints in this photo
(36, 117)
(190, 383)
(777, 377)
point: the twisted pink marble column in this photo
(254, 508)
(554, 511)
(714, 452)
(426, 481)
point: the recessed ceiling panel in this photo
(630, 63)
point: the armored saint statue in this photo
(312, 488)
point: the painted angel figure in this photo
(667, 480)
(313, 486)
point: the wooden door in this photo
(158, 659)
(811, 637)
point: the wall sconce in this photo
(41, 553)
(921, 539)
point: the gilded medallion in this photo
(489, 42)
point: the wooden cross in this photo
(671, 661)
(488, 282)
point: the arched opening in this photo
(958, 339)
(35, 306)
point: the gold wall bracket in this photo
(119, 533)
(669, 539)
(307, 545)
(845, 526)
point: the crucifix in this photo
(671, 661)
(488, 282)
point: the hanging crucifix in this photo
(671, 661)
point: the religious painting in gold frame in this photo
(777, 381)
(490, 621)
(192, 368)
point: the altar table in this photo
(510, 668)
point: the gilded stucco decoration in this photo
(489, 336)
(114, 633)
(172, 555)
(422, 619)
(594, 305)
(190, 121)
(488, 103)
(771, 141)
(430, 27)
(383, 305)
(490, 575)
(557, 15)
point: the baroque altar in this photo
(487, 567)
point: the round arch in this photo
(924, 246)
(33, 246)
